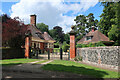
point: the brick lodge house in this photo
(95, 36)
(35, 39)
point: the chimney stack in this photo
(33, 20)
(93, 28)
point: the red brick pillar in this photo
(72, 43)
(27, 47)
(72, 46)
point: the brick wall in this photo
(107, 56)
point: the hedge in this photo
(10, 53)
(90, 45)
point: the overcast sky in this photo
(51, 12)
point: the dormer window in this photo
(39, 34)
(89, 37)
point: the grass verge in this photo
(8, 62)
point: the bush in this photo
(99, 44)
(56, 45)
(65, 46)
(78, 58)
(56, 49)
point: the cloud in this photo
(51, 12)
(1, 12)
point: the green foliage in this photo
(84, 24)
(99, 44)
(78, 58)
(57, 34)
(90, 45)
(107, 17)
(56, 45)
(42, 27)
(110, 21)
(67, 38)
(65, 46)
(51, 32)
(56, 49)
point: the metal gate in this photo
(55, 54)
(59, 54)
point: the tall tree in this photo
(84, 24)
(80, 26)
(67, 38)
(114, 33)
(57, 34)
(13, 32)
(107, 17)
(51, 32)
(43, 27)
(91, 22)
(109, 22)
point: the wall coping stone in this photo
(101, 47)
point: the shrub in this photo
(65, 46)
(56, 45)
(78, 58)
(99, 44)
(56, 49)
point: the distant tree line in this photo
(56, 33)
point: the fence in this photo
(107, 56)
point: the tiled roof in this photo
(35, 32)
(97, 36)
(38, 34)
(47, 36)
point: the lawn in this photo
(8, 62)
(73, 67)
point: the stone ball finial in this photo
(93, 26)
(72, 27)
